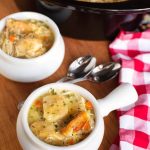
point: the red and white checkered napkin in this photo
(133, 51)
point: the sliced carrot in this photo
(76, 124)
(88, 105)
(86, 126)
(79, 127)
(12, 38)
(71, 142)
(38, 103)
(79, 121)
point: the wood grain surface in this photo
(12, 92)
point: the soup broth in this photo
(61, 117)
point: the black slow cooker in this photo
(96, 21)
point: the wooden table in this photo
(12, 92)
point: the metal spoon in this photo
(101, 73)
(79, 68)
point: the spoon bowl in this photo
(104, 72)
(80, 68)
(101, 73)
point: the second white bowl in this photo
(34, 69)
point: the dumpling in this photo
(46, 131)
(18, 26)
(29, 48)
(54, 108)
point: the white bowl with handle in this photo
(33, 69)
(122, 96)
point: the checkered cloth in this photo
(133, 51)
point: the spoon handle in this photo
(64, 79)
(76, 80)
(71, 80)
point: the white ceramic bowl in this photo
(34, 69)
(122, 96)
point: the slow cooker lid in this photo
(130, 6)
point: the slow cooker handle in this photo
(124, 95)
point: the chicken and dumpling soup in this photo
(61, 117)
(26, 38)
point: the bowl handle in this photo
(124, 95)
